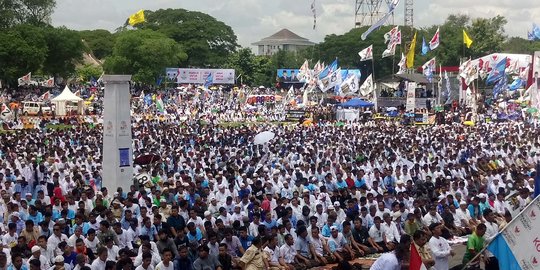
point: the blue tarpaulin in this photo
(356, 103)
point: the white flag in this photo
(25, 79)
(366, 54)
(524, 75)
(429, 68)
(351, 83)
(367, 86)
(435, 41)
(303, 71)
(390, 51)
(5, 112)
(402, 64)
(334, 80)
(468, 71)
(305, 98)
(392, 35)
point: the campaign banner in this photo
(291, 75)
(295, 115)
(411, 97)
(199, 76)
(518, 245)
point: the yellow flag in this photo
(410, 53)
(136, 18)
(466, 39)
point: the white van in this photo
(32, 108)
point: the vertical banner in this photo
(534, 94)
(411, 97)
(518, 245)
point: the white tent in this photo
(62, 103)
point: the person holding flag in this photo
(475, 244)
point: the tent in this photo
(63, 106)
(356, 103)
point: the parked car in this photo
(33, 108)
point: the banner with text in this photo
(198, 76)
(291, 75)
(411, 97)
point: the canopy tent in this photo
(356, 103)
(62, 106)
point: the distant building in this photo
(283, 40)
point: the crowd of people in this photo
(313, 196)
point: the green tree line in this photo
(182, 38)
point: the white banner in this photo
(523, 238)
(411, 97)
(198, 76)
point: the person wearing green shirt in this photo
(410, 225)
(475, 244)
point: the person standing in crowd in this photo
(475, 244)
(439, 247)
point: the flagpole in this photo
(373, 67)
(393, 63)
(373, 77)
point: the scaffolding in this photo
(409, 13)
(368, 12)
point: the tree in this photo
(23, 49)
(86, 72)
(65, 50)
(243, 62)
(145, 54)
(8, 13)
(488, 35)
(451, 48)
(521, 46)
(99, 42)
(34, 12)
(346, 47)
(207, 41)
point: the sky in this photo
(253, 20)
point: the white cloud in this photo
(254, 19)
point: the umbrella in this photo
(391, 109)
(146, 159)
(308, 123)
(340, 124)
(469, 123)
(264, 137)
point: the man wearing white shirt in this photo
(500, 205)
(56, 238)
(378, 234)
(440, 248)
(36, 254)
(432, 217)
(101, 260)
(124, 238)
(390, 229)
